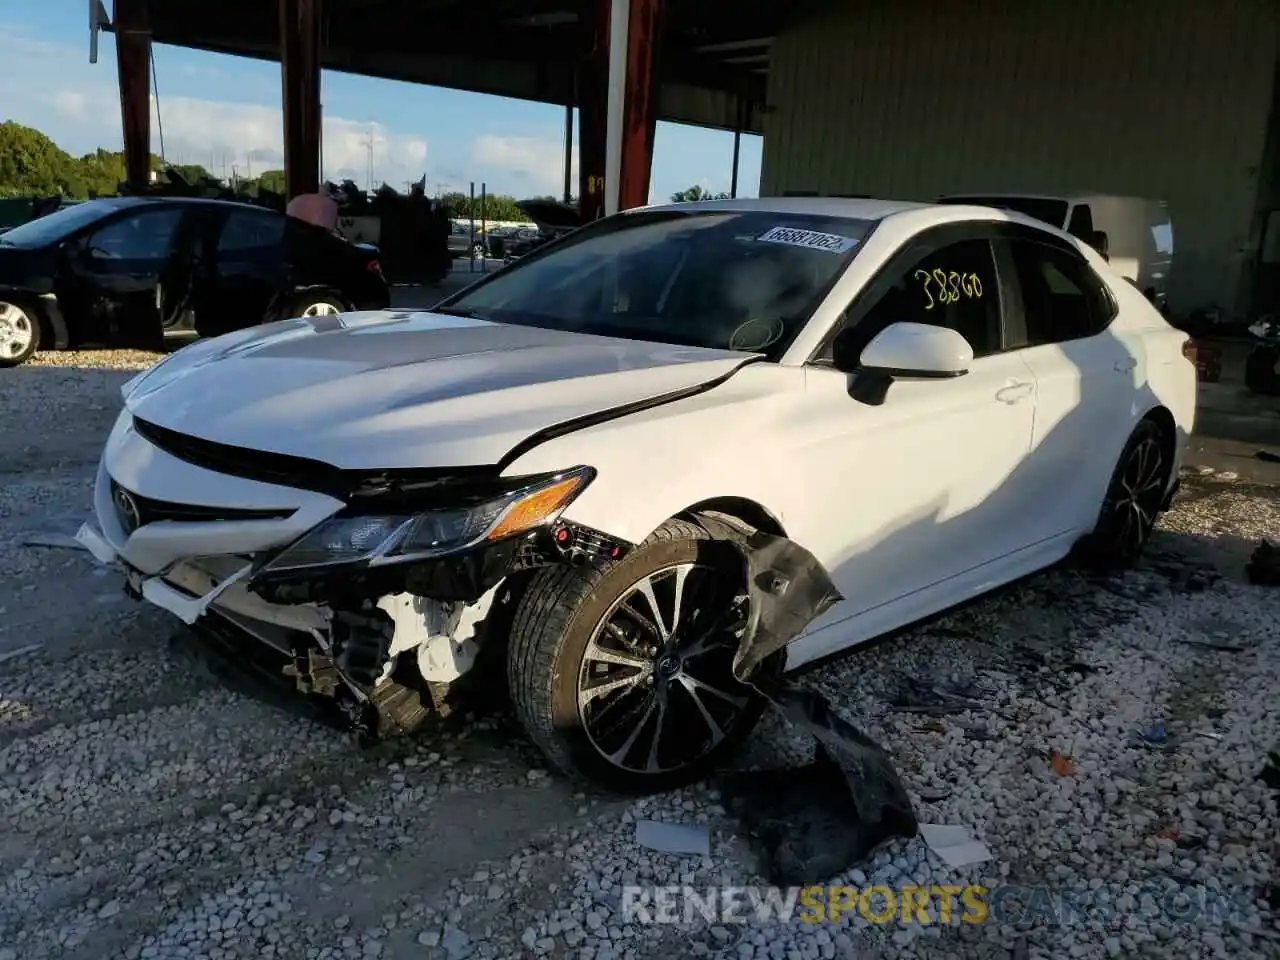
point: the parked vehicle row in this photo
(579, 459)
(124, 270)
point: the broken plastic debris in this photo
(808, 824)
(60, 541)
(955, 845)
(20, 651)
(673, 837)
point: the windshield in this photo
(731, 280)
(54, 226)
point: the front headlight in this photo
(396, 538)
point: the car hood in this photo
(393, 389)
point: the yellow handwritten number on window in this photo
(950, 286)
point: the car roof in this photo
(858, 209)
(128, 202)
(907, 216)
(1063, 197)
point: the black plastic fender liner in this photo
(810, 823)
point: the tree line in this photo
(32, 165)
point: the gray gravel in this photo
(153, 811)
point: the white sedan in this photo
(552, 465)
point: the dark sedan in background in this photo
(125, 270)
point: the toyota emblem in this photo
(127, 510)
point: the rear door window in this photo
(247, 231)
(1062, 298)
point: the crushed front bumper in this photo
(155, 589)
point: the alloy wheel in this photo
(17, 331)
(1137, 496)
(656, 691)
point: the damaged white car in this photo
(553, 464)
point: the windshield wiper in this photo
(457, 312)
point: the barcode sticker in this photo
(810, 239)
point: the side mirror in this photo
(1098, 240)
(917, 350)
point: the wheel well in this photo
(1163, 419)
(740, 508)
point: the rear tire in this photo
(673, 708)
(1133, 501)
(19, 333)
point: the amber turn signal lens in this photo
(535, 508)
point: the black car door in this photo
(120, 279)
(243, 270)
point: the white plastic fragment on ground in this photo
(6, 655)
(673, 837)
(955, 845)
(60, 541)
(809, 239)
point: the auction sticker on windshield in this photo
(811, 239)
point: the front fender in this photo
(658, 463)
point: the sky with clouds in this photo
(224, 113)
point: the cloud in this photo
(51, 87)
(536, 161)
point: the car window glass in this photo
(955, 286)
(250, 231)
(143, 236)
(737, 280)
(1061, 298)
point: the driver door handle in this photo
(1015, 391)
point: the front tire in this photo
(19, 333)
(1133, 500)
(623, 675)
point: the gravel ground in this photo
(151, 810)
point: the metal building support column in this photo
(300, 83)
(640, 102)
(133, 66)
(593, 113)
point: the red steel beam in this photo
(300, 83)
(640, 103)
(593, 112)
(133, 66)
